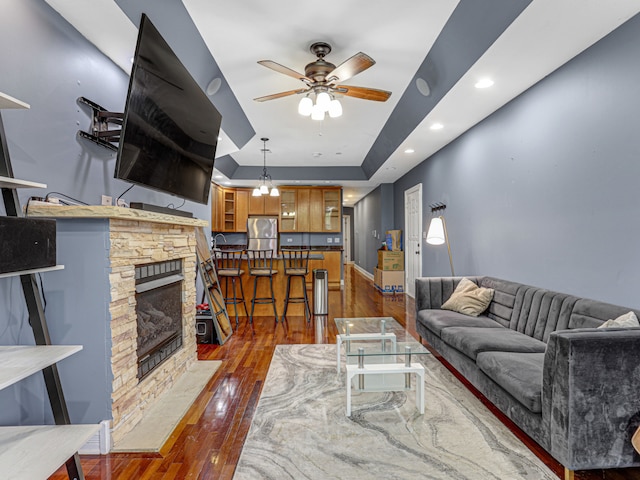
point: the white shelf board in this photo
(7, 101)
(20, 361)
(8, 182)
(38, 451)
(33, 270)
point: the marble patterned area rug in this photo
(300, 430)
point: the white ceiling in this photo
(397, 36)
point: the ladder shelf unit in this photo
(23, 455)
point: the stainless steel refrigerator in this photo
(262, 233)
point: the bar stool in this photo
(228, 263)
(261, 266)
(296, 265)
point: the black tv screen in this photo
(170, 127)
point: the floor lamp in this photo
(437, 233)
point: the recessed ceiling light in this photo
(390, 168)
(227, 183)
(436, 126)
(484, 83)
(409, 150)
(218, 176)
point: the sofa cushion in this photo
(436, 320)
(518, 373)
(472, 341)
(628, 320)
(468, 298)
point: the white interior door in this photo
(412, 237)
(346, 238)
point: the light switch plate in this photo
(329, 240)
(107, 200)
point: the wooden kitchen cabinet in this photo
(215, 206)
(264, 205)
(333, 265)
(325, 210)
(242, 209)
(294, 209)
(229, 209)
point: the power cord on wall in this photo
(171, 205)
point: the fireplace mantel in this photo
(92, 302)
(119, 213)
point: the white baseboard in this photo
(100, 443)
(363, 271)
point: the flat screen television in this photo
(170, 128)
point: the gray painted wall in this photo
(544, 191)
(48, 64)
(373, 216)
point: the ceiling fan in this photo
(321, 76)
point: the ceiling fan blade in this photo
(285, 70)
(280, 95)
(363, 92)
(351, 67)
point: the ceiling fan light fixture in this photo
(274, 192)
(305, 106)
(335, 108)
(263, 189)
(256, 192)
(317, 113)
(323, 100)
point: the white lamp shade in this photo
(323, 100)
(256, 192)
(264, 189)
(274, 192)
(305, 106)
(335, 108)
(435, 234)
(317, 113)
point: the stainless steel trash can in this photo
(320, 292)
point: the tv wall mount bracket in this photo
(101, 120)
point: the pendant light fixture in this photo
(265, 185)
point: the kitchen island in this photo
(320, 258)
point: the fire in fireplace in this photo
(159, 313)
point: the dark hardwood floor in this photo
(208, 441)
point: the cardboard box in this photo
(389, 281)
(394, 240)
(390, 260)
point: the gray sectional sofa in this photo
(539, 358)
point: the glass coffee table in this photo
(379, 354)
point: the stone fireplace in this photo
(147, 359)
(113, 258)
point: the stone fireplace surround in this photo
(137, 238)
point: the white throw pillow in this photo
(469, 299)
(628, 320)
